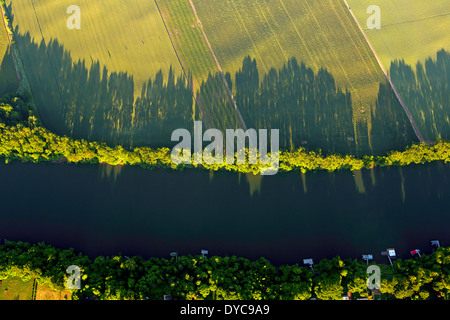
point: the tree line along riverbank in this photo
(23, 137)
(210, 278)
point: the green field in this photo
(124, 36)
(213, 102)
(13, 288)
(130, 74)
(321, 34)
(8, 77)
(410, 45)
(188, 39)
(86, 81)
(411, 30)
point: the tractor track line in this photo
(218, 66)
(405, 108)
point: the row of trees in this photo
(197, 277)
(23, 138)
(6, 19)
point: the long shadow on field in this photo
(91, 102)
(310, 110)
(426, 93)
(8, 77)
(87, 101)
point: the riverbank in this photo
(33, 143)
(103, 210)
(22, 137)
(231, 278)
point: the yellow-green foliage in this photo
(6, 18)
(34, 143)
(222, 278)
(23, 138)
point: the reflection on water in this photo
(372, 176)
(305, 188)
(104, 210)
(402, 185)
(254, 182)
(359, 181)
(110, 172)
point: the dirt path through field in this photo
(218, 66)
(405, 108)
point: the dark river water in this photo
(101, 210)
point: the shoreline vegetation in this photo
(22, 137)
(189, 277)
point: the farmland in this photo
(8, 78)
(123, 47)
(213, 102)
(319, 33)
(125, 37)
(303, 68)
(188, 40)
(14, 288)
(322, 37)
(413, 47)
(411, 30)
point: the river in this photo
(102, 210)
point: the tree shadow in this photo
(8, 77)
(92, 103)
(426, 93)
(87, 101)
(311, 111)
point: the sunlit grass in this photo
(412, 30)
(320, 33)
(124, 36)
(16, 289)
